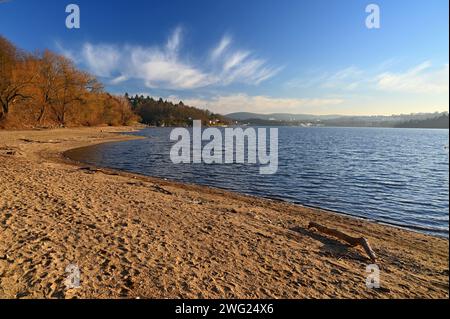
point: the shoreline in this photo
(70, 155)
(270, 243)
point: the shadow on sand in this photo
(331, 247)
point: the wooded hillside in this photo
(165, 113)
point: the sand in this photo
(136, 237)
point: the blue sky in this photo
(262, 56)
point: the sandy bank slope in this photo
(142, 237)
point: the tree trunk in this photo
(4, 108)
(41, 115)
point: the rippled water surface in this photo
(396, 176)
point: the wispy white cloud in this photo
(241, 102)
(165, 67)
(349, 79)
(162, 68)
(101, 59)
(423, 78)
(221, 47)
(174, 42)
(119, 79)
(234, 60)
(65, 52)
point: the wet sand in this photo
(134, 236)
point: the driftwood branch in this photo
(353, 241)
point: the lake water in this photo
(394, 176)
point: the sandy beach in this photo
(139, 237)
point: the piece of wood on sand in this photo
(353, 241)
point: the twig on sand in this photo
(159, 189)
(353, 241)
(92, 170)
(26, 140)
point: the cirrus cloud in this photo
(423, 78)
(165, 66)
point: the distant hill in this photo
(243, 116)
(419, 120)
(437, 122)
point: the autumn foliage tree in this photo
(47, 90)
(15, 76)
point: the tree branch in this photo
(353, 241)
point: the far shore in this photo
(133, 236)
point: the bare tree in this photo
(15, 77)
(46, 83)
(71, 89)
